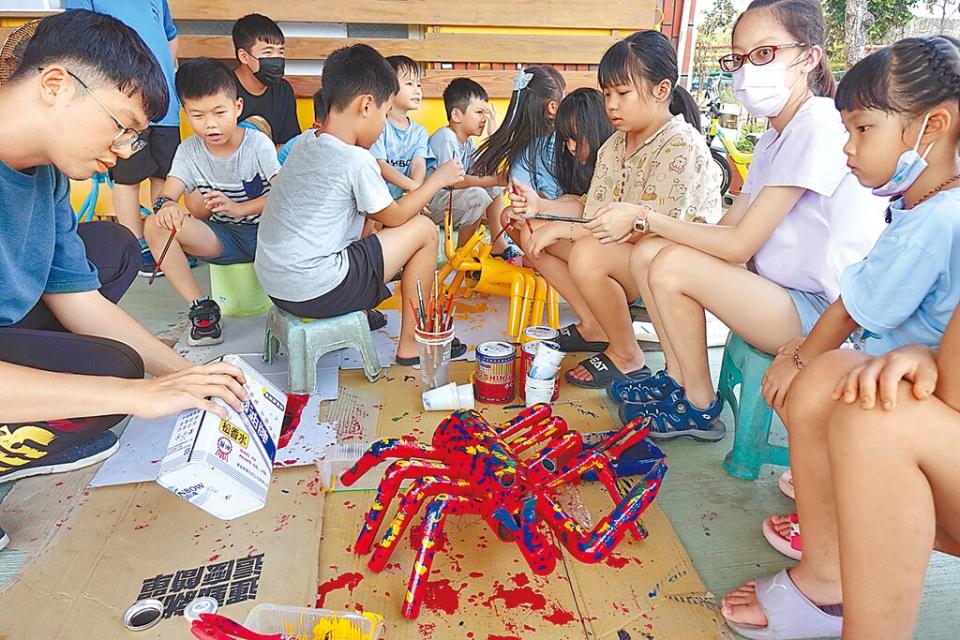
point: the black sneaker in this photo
(4, 539)
(205, 324)
(80, 455)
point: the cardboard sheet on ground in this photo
(482, 589)
(137, 540)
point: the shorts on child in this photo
(469, 204)
(362, 289)
(153, 161)
(810, 306)
(239, 242)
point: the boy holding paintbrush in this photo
(234, 168)
(311, 258)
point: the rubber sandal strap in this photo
(790, 614)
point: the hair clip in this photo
(521, 80)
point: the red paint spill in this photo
(475, 574)
(440, 596)
(140, 526)
(214, 557)
(493, 637)
(348, 581)
(617, 562)
(560, 617)
(426, 630)
(523, 595)
(291, 418)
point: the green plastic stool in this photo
(743, 365)
(236, 289)
(306, 340)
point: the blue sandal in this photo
(675, 417)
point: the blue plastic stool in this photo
(743, 365)
(305, 341)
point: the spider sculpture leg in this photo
(524, 420)
(413, 497)
(541, 432)
(598, 543)
(395, 474)
(434, 518)
(405, 447)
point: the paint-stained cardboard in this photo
(133, 540)
(482, 589)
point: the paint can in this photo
(538, 333)
(493, 381)
(527, 352)
(143, 614)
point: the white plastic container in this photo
(298, 622)
(224, 466)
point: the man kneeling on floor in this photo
(71, 361)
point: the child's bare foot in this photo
(625, 365)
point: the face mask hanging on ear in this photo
(909, 167)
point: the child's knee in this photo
(151, 229)
(586, 259)
(425, 229)
(668, 268)
(641, 256)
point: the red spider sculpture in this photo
(475, 468)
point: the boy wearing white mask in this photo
(801, 219)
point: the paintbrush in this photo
(549, 217)
(163, 254)
(423, 313)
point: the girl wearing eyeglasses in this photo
(772, 264)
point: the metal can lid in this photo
(143, 614)
(530, 348)
(541, 332)
(496, 349)
(205, 604)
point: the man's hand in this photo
(188, 388)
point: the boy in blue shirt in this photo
(71, 360)
(155, 25)
(232, 168)
(403, 149)
(468, 114)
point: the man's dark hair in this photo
(102, 51)
(404, 64)
(252, 27)
(356, 71)
(460, 92)
(202, 77)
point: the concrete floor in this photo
(717, 517)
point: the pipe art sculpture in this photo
(475, 468)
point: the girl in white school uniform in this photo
(801, 219)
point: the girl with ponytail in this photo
(657, 160)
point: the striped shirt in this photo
(244, 175)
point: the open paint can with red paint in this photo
(493, 381)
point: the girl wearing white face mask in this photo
(800, 220)
(900, 106)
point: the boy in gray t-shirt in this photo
(233, 168)
(468, 113)
(311, 259)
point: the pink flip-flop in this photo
(791, 547)
(786, 484)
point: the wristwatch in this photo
(162, 200)
(641, 224)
